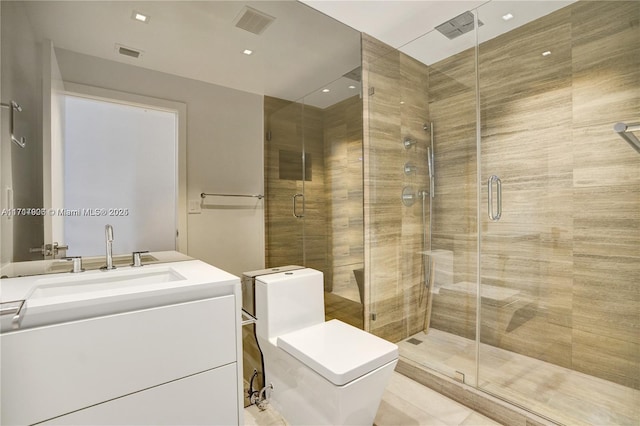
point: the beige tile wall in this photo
(526, 133)
(569, 238)
(452, 95)
(342, 129)
(393, 234)
(284, 233)
(331, 237)
(606, 191)
(289, 240)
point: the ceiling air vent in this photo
(457, 26)
(253, 20)
(128, 51)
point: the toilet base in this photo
(303, 397)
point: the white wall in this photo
(21, 67)
(52, 144)
(6, 192)
(224, 153)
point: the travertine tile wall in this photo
(396, 107)
(606, 191)
(342, 131)
(331, 238)
(525, 101)
(283, 121)
(289, 240)
(569, 239)
(452, 96)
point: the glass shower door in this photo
(313, 160)
(284, 183)
(527, 205)
(560, 224)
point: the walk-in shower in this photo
(536, 310)
(534, 226)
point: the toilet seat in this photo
(337, 351)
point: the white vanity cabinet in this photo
(201, 399)
(175, 364)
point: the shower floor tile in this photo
(559, 393)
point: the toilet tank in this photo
(249, 285)
(288, 301)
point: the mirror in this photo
(202, 59)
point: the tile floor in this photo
(568, 396)
(404, 403)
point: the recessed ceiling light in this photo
(401, 102)
(507, 17)
(352, 87)
(247, 51)
(546, 53)
(140, 17)
(326, 90)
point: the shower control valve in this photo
(408, 142)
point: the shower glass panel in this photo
(313, 189)
(342, 203)
(422, 252)
(284, 183)
(314, 216)
(452, 108)
(535, 222)
(559, 296)
(526, 258)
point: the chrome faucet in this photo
(108, 236)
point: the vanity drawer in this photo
(207, 398)
(53, 370)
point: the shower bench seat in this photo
(503, 309)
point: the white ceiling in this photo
(302, 52)
(409, 25)
(394, 22)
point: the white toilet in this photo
(323, 373)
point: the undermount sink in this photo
(70, 297)
(106, 282)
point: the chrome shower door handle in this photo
(494, 216)
(295, 211)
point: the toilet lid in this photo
(338, 351)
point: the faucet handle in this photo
(136, 258)
(77, 263)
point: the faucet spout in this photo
(108, 236)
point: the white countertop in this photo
(66, 296)
(52, 266)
